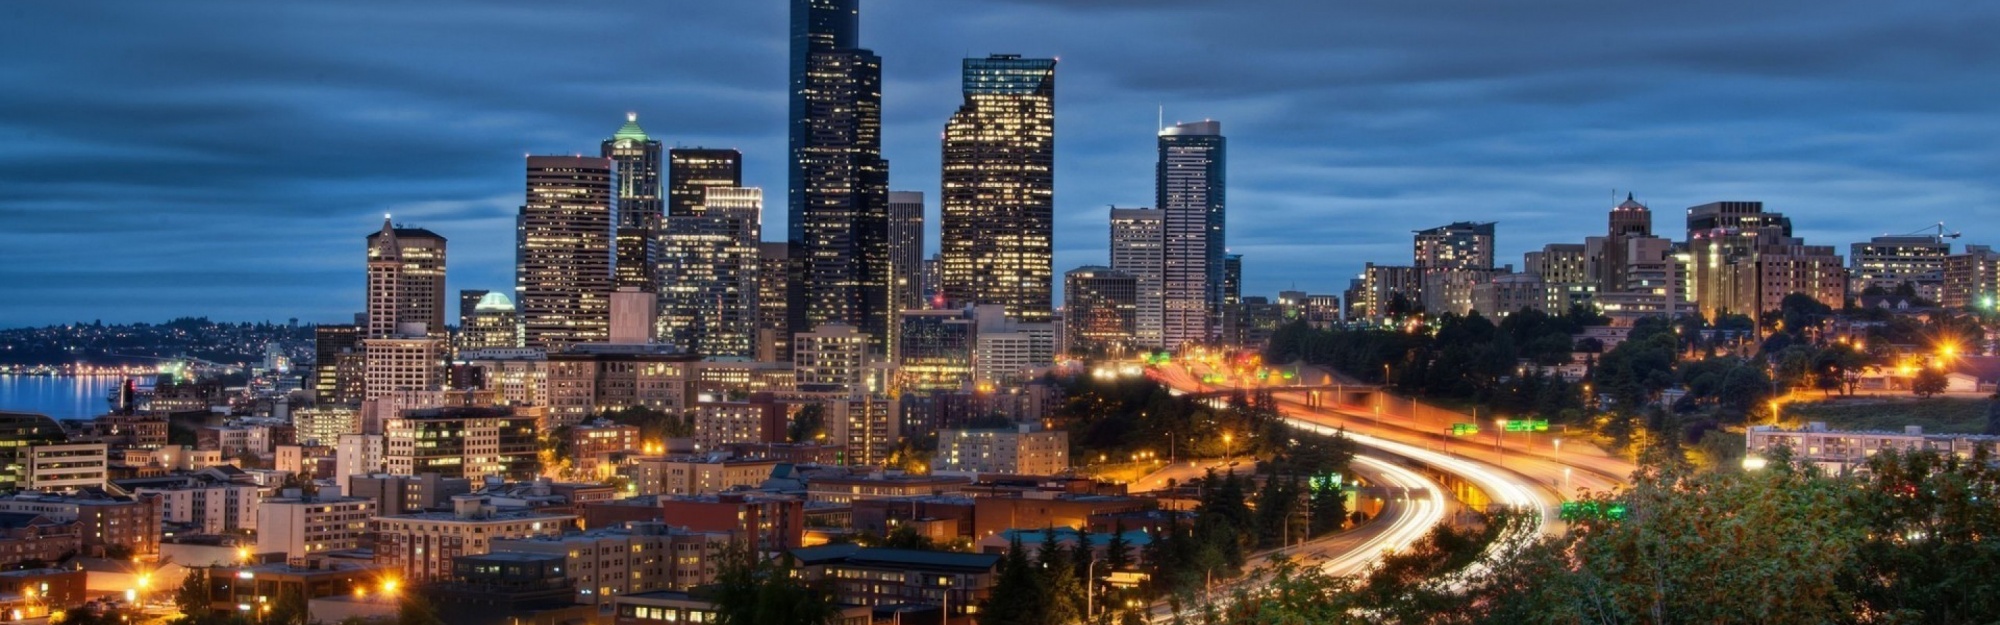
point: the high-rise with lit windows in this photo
(838, 208)
(637, 158)
(405, 280)
(998, 209)
(712, 258)
(563, 252)
(1191, 189)
(1138, 242)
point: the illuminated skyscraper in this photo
(773, 261)
(838, 209)
(906, 250)
(691, 172)
(405, 280)
(998, 207)
(490, 324)
(1191, 190)
(563, 255)
(1138, 240)
(712, 255)
(1100, 311)
(637, 158)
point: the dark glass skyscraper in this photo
(998, 207)
(692, 171)
(637, 158)
(838, 209)
(1191, 189)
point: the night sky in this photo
(226, 159)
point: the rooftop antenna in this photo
(1163, 119)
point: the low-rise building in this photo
(29, 537)
(423, 544)
(108, 524)
(852, 488)
(299, 525)
(66, 466)
(696, 475)
(955, 582)
(206, 501)
(670, 607)
(1841, 451)
(641, 557)
(1025, 449)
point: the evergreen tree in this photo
(1116, 549)
(1019, 595)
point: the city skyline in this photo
(1335, 164)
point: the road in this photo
(1418, 506)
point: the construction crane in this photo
(1941, 234)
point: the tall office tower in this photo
(712, 256)
(490, 324)
(838, 206)
(405, 280)
(1461, 245)
(1971, 278)
(338, 366)
(563, 255)
(637, 159)
(773, 261)
(906, 250)
(410, 363)
(1138, 245)
(692, 171)
(1100, 311)
(1888, 262)
(1628, 220)
(998, 207)
(1191, 187)
(1228, 317)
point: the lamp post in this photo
(1228, 447)
(1497, 433)
(1089, 579)
(1558, 455)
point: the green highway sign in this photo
(1463, 429)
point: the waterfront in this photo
(62, 397)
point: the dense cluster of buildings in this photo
(1735, 258)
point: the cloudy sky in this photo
(225, 158)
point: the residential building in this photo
(403, 363)
(760, 419)
(109, 524)
(997, 228)
(563, 259)
(1844, 451)
(955, 582)
(26, 536)
(407, 494)
(206, 501)
(1459, 245)
(1022, 450)
(1745, 261)
(701, 474)
(423, 544)
(1138, 248)
(588, 379)
(1971, 278)
(833, 356)
(461, 442)
(304, 525)
(639, 557)
(57, 467)
(517, 377)
(1888, 262)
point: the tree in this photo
(290, 608)
(755, 591)
(1020, 595)
(808, 425)
(1117, 551)
(1929, 381)
(192, 596)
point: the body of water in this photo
(58, 396)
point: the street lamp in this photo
(1559, 450)
(1228, 448)
(1497, 432)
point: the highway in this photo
(1416, 505)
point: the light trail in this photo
(1424, 499)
